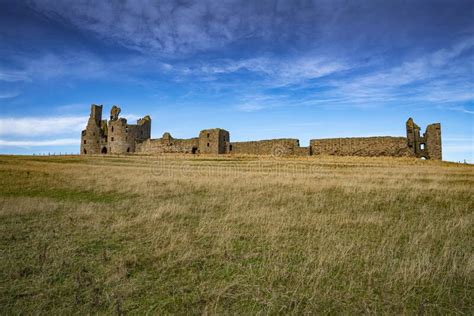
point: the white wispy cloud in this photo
(13, 75)
(173, 27)
(73, 65)
(42, 126)
(8, 95)
(39, 143)
(250, 107)
(439, 77)
(442, 79)
(279, 72)
(45, 66)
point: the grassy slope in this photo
(181, 235)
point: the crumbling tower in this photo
(214, 141)
(433, 141)
(116, 136)
(94, 137)
(122, 137)
(427, 146)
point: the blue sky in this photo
(260, 69)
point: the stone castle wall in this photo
(433, 142)
(302, 151)
(117, 137)
(361, 146)
(168, 144)
(276, 147)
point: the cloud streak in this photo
(442, 79)
(9, 95)
(175, 28)
(41, 126)
(181, 27)
(39, 143)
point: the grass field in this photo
(193, 235)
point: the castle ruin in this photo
(116, 136)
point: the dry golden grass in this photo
(195, 235)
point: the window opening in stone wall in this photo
(207, 144)
(422, 146)
(104, 150)
(112, 139)
(128, 149)
(208, 135)
(85, 141)
(112, 129)
(194, 150)
(230, 148)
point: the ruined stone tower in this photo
(116, 136)
(214, 141)
(94, 137)
(427, 146)
(122, 137)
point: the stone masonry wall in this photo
(302, 151)
(361, 146)
(275, 147)
(168, 144)
(433, 141)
